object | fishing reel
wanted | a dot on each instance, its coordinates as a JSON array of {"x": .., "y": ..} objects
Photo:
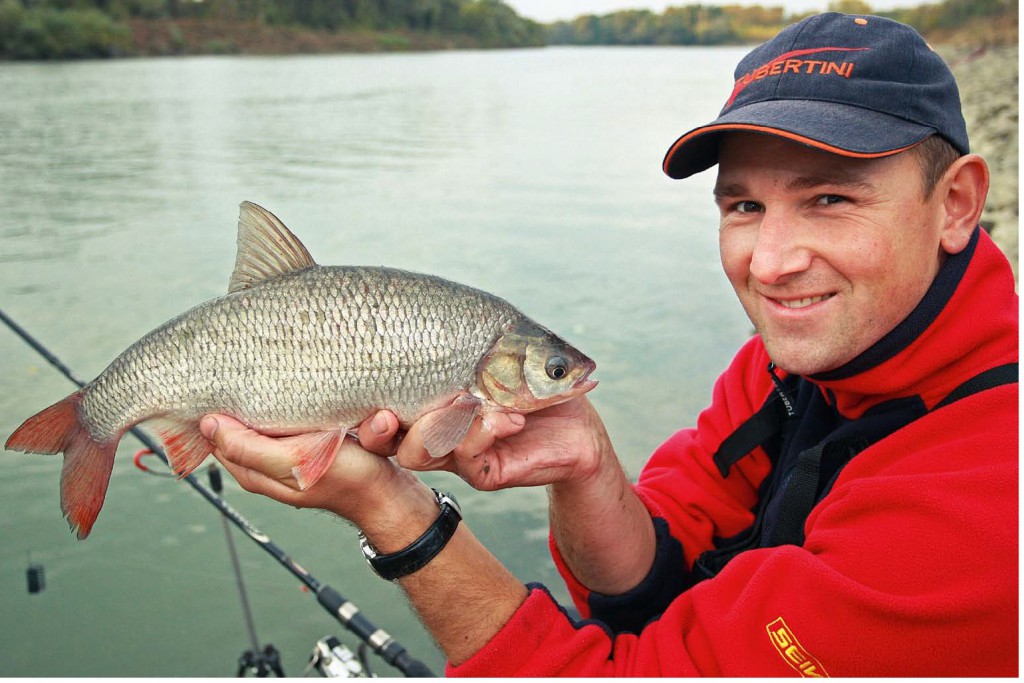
[{"x": 332, "y": 659}]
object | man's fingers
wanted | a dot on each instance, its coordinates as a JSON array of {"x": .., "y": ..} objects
[
  {"x": 379, "y": 433},
  {"x": 486, "y": 430},
  {"x": 234, "y": 440},
  {"x": 254, "y": 481},
  {"x": 502, "y": 425},
  {"x": 249, "y": 450},
  {"x": 413, "y": 455}
]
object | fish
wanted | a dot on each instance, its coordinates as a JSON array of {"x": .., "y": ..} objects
[{"x": 295, "y": 347}]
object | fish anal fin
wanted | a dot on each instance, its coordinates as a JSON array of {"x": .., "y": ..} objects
[
  {"x": 443, "y": 429},
  {"x": 266, "y": 249},
  {"x": 319, "y": 450},
  {"x": 185, "y": 445}
]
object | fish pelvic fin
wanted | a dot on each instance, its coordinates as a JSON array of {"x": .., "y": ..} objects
[
  {"x": 266, "y": 249},
  {"x": 317, "y": 458},
  {"x": 185, "y": 445},
  {"x": 445, "y": 428},
  {"x": 87, "y": 461}
]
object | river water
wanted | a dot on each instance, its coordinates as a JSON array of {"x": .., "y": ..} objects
[{"x": 533, "y": 174}]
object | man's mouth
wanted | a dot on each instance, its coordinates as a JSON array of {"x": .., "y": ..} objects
[{"x": 803, "y": 303}]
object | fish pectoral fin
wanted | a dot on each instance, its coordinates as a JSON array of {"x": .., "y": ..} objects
[
  {"x": 185, "y": 445},
  {"x": 266, "y": 249},
  {"x": 445, "y": 428},
  {"x": 317, "y": 456}
]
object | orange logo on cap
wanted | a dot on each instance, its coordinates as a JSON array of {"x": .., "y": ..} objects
[{"x": 787, "y": 63}]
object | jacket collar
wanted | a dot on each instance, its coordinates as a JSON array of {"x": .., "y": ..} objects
[{"x": 965, "y": 324}]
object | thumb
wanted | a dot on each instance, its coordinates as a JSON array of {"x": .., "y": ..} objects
[
  {"x": 237, "y": 444},
  {"x": 379, "y": 433},
  {"x": 208, "y": 426}
]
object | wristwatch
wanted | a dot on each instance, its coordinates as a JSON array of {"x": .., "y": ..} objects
[{"x": 416, "y": 555}]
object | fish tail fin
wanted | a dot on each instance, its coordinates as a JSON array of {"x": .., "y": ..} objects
[
  {"x": 87, "y": 461},
  {"x": 47, "y": 431}
]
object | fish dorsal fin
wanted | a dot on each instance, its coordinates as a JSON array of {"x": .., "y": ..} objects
[{"x": 266, "y": 249}]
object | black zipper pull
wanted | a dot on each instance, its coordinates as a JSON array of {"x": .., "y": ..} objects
[{"x": 780, "y": 389}]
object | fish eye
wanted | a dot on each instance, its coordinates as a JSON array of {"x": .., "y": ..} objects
[{"x": 557, "y": 367}]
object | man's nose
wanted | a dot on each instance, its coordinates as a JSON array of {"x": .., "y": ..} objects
[{"x": 780, "y": 249}]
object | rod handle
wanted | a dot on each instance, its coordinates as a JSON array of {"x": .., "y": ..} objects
[{"x": 383, "y": 644}]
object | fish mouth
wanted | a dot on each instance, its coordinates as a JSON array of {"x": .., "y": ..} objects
[{"x": 584, "y": 383}]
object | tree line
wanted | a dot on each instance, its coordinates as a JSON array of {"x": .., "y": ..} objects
[
  {"x": 40, "y": 29},
  {"x": 702, "y": 24},
  {"x": 44, "y": 29}
]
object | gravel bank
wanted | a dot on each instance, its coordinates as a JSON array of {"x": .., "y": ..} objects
[{"x": 988, "y": 88}]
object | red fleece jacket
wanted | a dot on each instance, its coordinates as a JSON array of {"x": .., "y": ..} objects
[{"x": 909, "y": 564}]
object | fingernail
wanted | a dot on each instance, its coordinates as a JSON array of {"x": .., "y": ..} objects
[
  {"x": 208, "y": 426},
  {"x": 379, "y": 424},
  {"x": 518, "y": 419}
]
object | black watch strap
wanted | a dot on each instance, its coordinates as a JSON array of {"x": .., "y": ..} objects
[{"x": 420, "y": 552}]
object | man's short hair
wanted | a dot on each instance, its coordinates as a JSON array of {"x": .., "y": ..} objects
[{"x": 935, "y": 155}]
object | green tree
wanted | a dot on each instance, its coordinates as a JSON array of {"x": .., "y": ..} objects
[{"x": 850, "y": 7}]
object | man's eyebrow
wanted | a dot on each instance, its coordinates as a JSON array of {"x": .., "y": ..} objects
[
  {"x": 729, "y": 189},
  {"x": 836, "y": 177},
  {"x": 840, "y": 177}
]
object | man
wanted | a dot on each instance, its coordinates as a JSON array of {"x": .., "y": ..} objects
[{"x": 847, "y": 505}]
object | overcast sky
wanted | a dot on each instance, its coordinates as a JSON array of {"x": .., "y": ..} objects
[{"x": 552, "y": 10}]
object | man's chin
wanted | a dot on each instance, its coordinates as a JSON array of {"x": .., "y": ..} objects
[{"x": 803, "y": 359}]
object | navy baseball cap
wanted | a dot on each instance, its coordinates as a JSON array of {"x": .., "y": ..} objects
[{"x": 859, "y": 86}]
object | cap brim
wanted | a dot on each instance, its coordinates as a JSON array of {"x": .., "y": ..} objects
[{"x": 836, "y": 128}]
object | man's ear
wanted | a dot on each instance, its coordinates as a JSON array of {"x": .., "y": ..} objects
[{"x": 965, "y": 187}]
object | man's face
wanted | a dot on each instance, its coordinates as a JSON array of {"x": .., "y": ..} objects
[{"x": 826, "y": 253}]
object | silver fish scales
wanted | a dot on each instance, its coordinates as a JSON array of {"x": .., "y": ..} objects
[
  {"x": 296, "y": 347},
  {"x": 312, "y": 348}
]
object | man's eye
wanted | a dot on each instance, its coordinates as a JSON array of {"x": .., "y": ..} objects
[
  {"x": 829, "y": 199},
  {"x": 747, "y": 207}
]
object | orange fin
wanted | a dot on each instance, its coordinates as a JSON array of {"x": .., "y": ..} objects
[
  {"x": 317, "y": 458},
  {"x": 48, "y": 430},
  {"x": 87, "y": 462},
  {"x": 445, "y": 428},
  {"x": 185, "y": 445}
]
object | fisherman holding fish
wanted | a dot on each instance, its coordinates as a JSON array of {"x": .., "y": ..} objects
[{"x": 847, "y": 504}]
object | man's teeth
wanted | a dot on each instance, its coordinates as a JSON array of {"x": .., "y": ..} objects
[{"x": 803, "y": 303}]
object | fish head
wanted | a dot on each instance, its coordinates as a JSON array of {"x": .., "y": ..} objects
[{"x": 530, "y": 367}]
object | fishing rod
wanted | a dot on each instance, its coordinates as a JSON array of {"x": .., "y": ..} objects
[
  {"x": 341, "y": 608},
  {"x": 261, "y": 661}
]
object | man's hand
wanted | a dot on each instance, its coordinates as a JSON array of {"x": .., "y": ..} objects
[
  {"x": 355, "y": 483},
  {"x": 393, "y": 508},
  {"x": 562, "y": 443},
  {"x": 604, "y": 532}
]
